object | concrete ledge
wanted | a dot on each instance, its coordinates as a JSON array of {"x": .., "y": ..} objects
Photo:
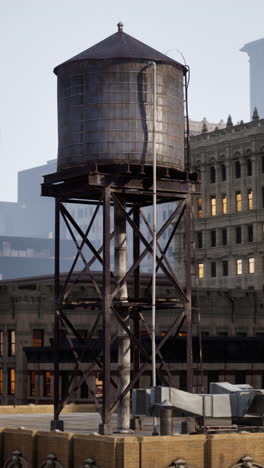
[
  {"x": 57, "y": 443},
  {"x": 46, "y": 409},
  {"x": 17, "y": 439},
  {"x": 224, "y": 450},
  {"x": 71, "y": 450},
  {"x": 100, "y": 448},
  {"x": 160, "y": 452}
]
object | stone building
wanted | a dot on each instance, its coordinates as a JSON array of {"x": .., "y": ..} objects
[
  {"x": 229, "y": 214},
  {"x": 26, "y": 336},
  {"x": 196, "y": 126}
]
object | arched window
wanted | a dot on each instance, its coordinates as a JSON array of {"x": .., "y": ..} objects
[
  {"x": 212, "y": 174},
  {"x": 237, "y": 170}
]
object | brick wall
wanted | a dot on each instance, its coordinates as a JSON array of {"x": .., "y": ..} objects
[{"x": 71, "y": 450}]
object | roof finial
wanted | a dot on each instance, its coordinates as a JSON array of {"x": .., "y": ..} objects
[{"x": 120, "y": 26}]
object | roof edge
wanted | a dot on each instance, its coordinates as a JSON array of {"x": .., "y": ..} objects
[{"x": 175, "y": 64}]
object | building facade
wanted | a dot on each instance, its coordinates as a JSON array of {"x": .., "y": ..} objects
[
  {"x": 232, "y": 341},
  {"x": 229, "y": 214}
]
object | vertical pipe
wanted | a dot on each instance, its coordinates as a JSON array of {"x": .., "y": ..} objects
[
  {"x": 188, "y": 285},
  {"x": 105, "y": 427},
  {"x": 153, "y": 315},
  {"x": 187, "y": 129},
  {"x": 124, "y": 352}
]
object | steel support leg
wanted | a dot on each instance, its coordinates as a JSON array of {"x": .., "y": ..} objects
[
  {"x": 105, "y": 427},
  {"x": 56, "y": 423},
  {"x": 135, "y": 421}
]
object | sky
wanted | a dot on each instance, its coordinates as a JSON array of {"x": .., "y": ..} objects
[{"x": 37, "y": 35}]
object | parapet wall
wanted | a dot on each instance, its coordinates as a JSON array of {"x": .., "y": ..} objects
[
  {"x": 28, "y": 449},
  {"x": 47, "y": 409}
]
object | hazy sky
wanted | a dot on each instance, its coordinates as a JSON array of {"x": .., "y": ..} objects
[{"x": 36, "y": 35}]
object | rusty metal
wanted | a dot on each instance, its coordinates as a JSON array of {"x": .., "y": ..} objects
[
  {"x": 105, "y": 428},
  {"x": 105, "y": 101},
  {"x": 107, "y": 303},
  {"x": 121, "y": 46},
  {"x": 148, "y": 246},
  {"x": 143, "y": 366},
  {"x": 56, "y": 423}
]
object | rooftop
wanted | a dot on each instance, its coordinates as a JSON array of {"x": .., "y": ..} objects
[{"x": 121, "y": 45}]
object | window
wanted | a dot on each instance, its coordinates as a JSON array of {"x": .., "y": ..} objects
[
  {"x": 251, "y": 265},
  {"x": 213, "y": 269},
  {"x": 224, "y": 236},
  {"x": 213, "y": 205},
  {"x": 11, "y": 388},
  {"x": 1, "y": 381},
  {"x": 212, "y": 174},
  {"x": 32, "y": 383},
  {"x": 1, "y": 343},
  {"x": 213, "y": 238},
  {"x": 222, "y": 333},
  {"x": 200, "y": 270},
  {"x": 37, "y": 338},
  {"x": 249, "y": 167},
  {"x": 238, "y": 201},
  {"x": 250, "y": 199},
  {"x": 200, "y": 239},
  {"x": 199, "y": 208},
  {"x": 250, "y": 232},
  {"x": 237, "y": 170},
  {"x": 11, "y": 342},
  {"x": 223, "y": 172},
  {"x": 225, "y": 267},
  {"x": 224, "y": 203},
  {"x": 238, "y": 235},
  {"x": 239, "y": 266},
  {"x": 47, "y": 384},
  {"x": 262, "y": 197}
]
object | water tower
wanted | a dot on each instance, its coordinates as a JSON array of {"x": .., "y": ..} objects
[{"x": 121, "y": 131}]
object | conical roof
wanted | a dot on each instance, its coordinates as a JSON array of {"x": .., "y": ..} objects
[{"x": 122, "y": 46}]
